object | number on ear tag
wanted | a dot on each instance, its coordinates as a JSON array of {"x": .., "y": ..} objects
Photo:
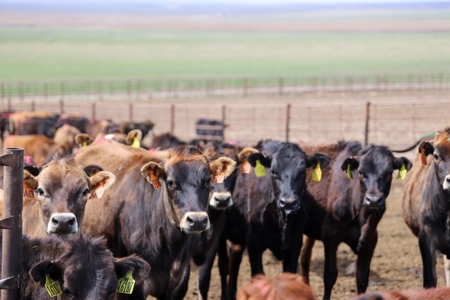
[
  {"x": 136, "y": 143},
  {"x": 126, "y": 284},
  {"x": 317, "y": 173},
  {"x": 259, "y": 169},
  {"x": 349, "y": 172},
  {"x": 402, "y": 172},
  {"x": 52, "y": 287}
]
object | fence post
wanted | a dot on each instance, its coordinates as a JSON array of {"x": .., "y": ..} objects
[
  {"x": 9, "y": 103},
  {"x": 224, "y": 119},
  {"x": 93, "y": 111},
  {"x": 130, "y": 112},
  {"x": 61, "y": 106},
  {"x": 366, "y": 133},
  {"x": 12, "y": 211},
  {"x": 33, "y": 106},
  {"x": 172, "y": 118},
  {"x": 288, "y": 120}
]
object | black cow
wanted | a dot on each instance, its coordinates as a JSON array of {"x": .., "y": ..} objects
[
  {"x": 203, "y": 132},
  {"x": 352, "y": 206},
  {"x": 39, "y": 126},
  {"x": 144, "y": 127},
  {"x": 270, "y": 209},
  {"x": 79, "y": 122},
  {"x": 165, "y": 141}
]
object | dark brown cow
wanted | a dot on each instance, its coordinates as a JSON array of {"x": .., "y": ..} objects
[
  {"x": 426, "y": 201},
  {"x": 269, "y": 211},
  {"x": 55, "y": 200},
  {"x": 165, "y": 141},
  {"x": 219, "y": 201},
  {"x": 429, "y": 294},
  {"x": 355, "y": 201},
  {"x": 81, "y": 267},
  {"x": 156, "y": 208}
]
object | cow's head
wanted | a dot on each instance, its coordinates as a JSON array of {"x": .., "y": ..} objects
[
  {"x": 186, "y": 175},
  {"x": 375, "y": 165},
  {"x": 87, "y": 269},
  {"x": 62, "y": 189},
  {"x": 220, "y": 195},
  {"x": 288, "y": 164},
  {"x": 441, "y": 156}
]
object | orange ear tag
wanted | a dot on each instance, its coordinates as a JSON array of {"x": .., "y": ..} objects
[
  {"x": 423, "y": 157},
  {"x": 28, "y": 192},
  {"x": 245, "y": 167},
  {"x": 218, "y": 178},
  {"x": 154, "y": 180}
]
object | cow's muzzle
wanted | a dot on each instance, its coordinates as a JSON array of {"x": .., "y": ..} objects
[
  {"x": 194, "y": 222},
  {"x": 62, "y": 223},
  {"x": 374, "y": 202},
  {"x": 288, "y": 204},
  {"x": 446, "y": 184},
  {"x": 221, "y": 200}
]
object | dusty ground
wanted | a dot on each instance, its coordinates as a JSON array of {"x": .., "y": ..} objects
[{"x": 396, "y": 263}]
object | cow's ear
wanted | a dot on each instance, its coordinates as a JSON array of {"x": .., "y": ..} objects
[
  {"x": 349, "y": 165},
  {"x": 139, "y": 268},
  {"x": 41, "y": 269},
  {"x": 244, "y": 165},
  {"x": 134, "y": 138},
  {"x": 425, "y": 149},
  {"x": 152, "y": 172},
  {"x": 100, "y": 182},
  {"x": 30, "y": 184},
  {"x": 312, "y": 160},
  {"x": 221, "y": 168},
  {"x": 264, "y": 160},
  {"x": 83, "y": 140},
  {"x": 402, "y": 161}
]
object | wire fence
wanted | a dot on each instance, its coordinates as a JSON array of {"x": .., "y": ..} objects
[{"x": 140, "y": 89}]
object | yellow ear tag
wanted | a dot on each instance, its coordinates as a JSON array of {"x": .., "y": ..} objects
[
  {"x": 349, "y": 172},
  {"x": 402, "y": 172},
  {"x": 136, "y": 143},
  {"x": 52, "y": 287},
  {"x": 84, "y": 144},
  {"x": 259, "y": 169},
  {"x": 126, "y": 284},
  {"x": 317, "y": 173}
]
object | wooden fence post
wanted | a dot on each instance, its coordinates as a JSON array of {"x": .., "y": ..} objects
[
  {"x": 366, "y": 132},
  {"x": 61, "y": 106},
  {"x": 93, "y": 111},
  {"x": 172, "y": 118},
  {"x": 288, "y": 120},
  {"x": 130, "y": 112},
  {"x": 224, "y": 119}
]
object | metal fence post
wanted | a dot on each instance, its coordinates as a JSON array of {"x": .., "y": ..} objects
[
  {"x": 288, "y": 120},
  {"x": 224, "y": 119},
  {"x": 12, "y": 211},
  {"x": 366, "y": 132}
]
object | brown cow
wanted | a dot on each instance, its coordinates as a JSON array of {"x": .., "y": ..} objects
[
  {"x": 55, "y": 200},
  {"x": 41, "y": 148},
  {"x": 429, "y": 294},
  {"x": 349, "y": 212},
  {"x": 81, "y": 268},
  {"x": 285, "y": 286},
  {"x": 425, "y": 202},
  {"x": 156, "y": 208}
]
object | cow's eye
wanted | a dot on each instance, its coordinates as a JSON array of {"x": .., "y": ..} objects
[
  {"x": 208, "y": 182},
  {"x": 86, "y": 192},
  {"x": 361, "y": 174},
  {"x": 275, "y": 175},
  {"x": 67, "y": 292},
  {"x": 436, "y": 157},
  {"x": 40, "y": 192},
  {"x": 170, "y": 183}
]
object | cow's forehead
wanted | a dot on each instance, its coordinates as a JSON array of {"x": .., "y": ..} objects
[{"x": 61, "y": 171}]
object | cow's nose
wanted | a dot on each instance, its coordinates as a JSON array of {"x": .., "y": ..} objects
[
  {"x": 63, "y": 223},
  {"x": 195, "y": 222},
  {"x": 288, "y": 204},
  {"x": 220, "y": 200},
  {"x": 374, "y": 201},
  {"x": 446, "y": 184}
]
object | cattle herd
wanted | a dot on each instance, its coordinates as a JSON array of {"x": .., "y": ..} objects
[{"x": 105, "y": 217}]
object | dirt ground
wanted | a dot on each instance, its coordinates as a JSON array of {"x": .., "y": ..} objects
[{"x": 396, "y": 263}]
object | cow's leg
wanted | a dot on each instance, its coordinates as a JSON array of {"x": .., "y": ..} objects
[
  {"x": 204, "y": 272},
  {"x": 305, "y": 258},
  {"x": 236, "y": 252},
  {"x": 255, "y": 252},
  {"x": 447, "y": 270},
  {"x": 178, "y": 289},
  {"x": 222, "y": 253},
  {"x": 428, "y": 261},
  {"x": 290, "y": 261},
  {"x": 330, "y": 272},
  {"x": 363, "y": 263}
]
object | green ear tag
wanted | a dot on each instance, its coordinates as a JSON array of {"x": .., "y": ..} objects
[
  {"x": 349, "y": 172},
  {"x": 402, "y": 172},
  {"x": 126, "y": 284},
  {"x": 136, "y": 143},
  {"x": 259, "y": 169},
  {"x": 317, "y": 173},
  {"x": 52, "y": 287},
  {"x": 84, "y": 144}
]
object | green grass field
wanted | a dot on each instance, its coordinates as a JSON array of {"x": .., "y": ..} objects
[{"x": 28, "y": 54}]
